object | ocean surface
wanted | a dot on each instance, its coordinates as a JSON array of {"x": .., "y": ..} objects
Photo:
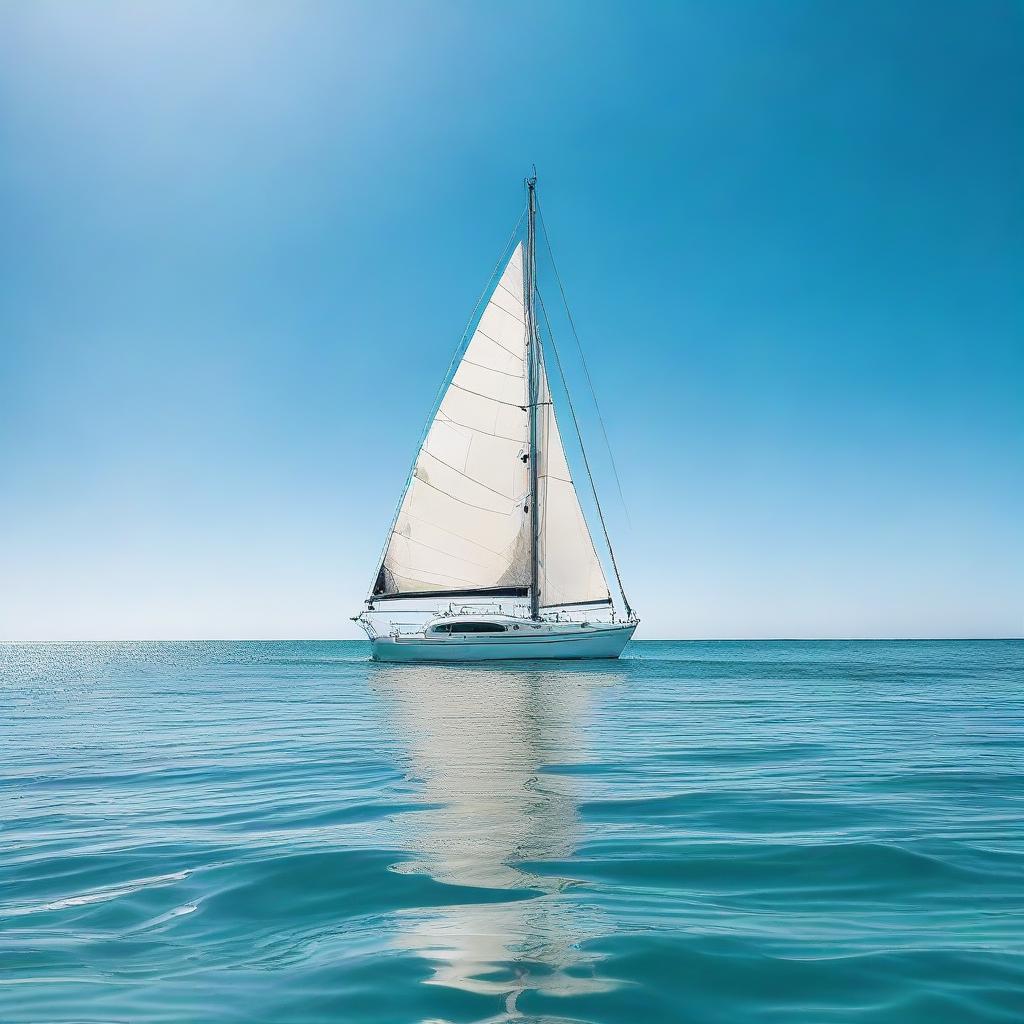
[{"x": 783, "y": 832}]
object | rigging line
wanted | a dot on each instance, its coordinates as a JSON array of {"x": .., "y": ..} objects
[
  {"x": 505, "y": 373},
  {"x": 583, "y": 360},
  {"x": 505, "y": 287},
  {"x": 457, "y": 536},
  {"x": 494, "y": 304},
  {"x": 483, "y": 333},
  {"x": 480, "y": 430},
  {"x": 416, "y": 579},
  {"x": 444, "y": 382},
  {"x": 413, "y": 540},
  {"x": 471, "y": 479},
  {"x": 515, "y": 502},
  {"x": 586, "y": 461},
  {"x": 490, "y": 398},
  {"x": 441, "y": 551}
]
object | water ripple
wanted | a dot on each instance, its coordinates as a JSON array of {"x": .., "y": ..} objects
[{"x": 717, "y": 832}]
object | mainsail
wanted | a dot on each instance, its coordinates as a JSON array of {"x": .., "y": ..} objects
[{"x": 464, "y": 524}]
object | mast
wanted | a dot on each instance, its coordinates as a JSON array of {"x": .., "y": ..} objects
[{"x": 533, "y": 352}]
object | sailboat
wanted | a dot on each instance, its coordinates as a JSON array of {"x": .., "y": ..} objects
[{"x": 489, "y": 556}]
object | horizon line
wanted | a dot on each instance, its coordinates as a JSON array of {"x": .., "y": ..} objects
[{"x": 644, "y": 640}]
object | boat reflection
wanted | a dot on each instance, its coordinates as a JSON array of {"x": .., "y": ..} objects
[{"x": 478, "y": 741}]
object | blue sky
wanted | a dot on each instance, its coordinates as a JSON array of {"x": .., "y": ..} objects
[{"x": 240, "y": 242}]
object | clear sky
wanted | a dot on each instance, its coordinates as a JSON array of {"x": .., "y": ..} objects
[{"x": 239, "y": 242}]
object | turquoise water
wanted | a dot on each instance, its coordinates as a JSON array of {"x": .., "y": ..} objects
[{"x": 701, "y": 832}]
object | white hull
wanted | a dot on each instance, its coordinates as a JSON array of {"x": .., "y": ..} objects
[{"x": 605, "y": 641}]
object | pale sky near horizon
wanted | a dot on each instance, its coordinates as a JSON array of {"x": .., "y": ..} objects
[{"x": 240, "y": 242}]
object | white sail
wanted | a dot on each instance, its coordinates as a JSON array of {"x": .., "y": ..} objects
[
  {"x": 569, "y": 571},
  {"x": 463, "y": 524}
]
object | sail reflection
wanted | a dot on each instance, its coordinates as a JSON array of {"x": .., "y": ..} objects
[{"x": 477, "y": 741}]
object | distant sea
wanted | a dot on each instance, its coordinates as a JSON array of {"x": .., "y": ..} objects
[{"x": 789, "y": 832}]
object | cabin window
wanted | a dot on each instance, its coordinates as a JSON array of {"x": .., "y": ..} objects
[{"x": 468, "y": 627}]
